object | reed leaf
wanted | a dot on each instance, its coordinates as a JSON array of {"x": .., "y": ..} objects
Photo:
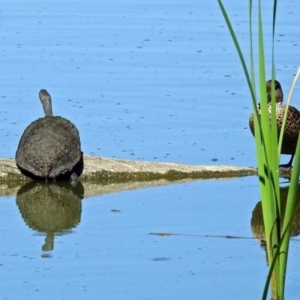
[{"x": 266, "y": 140}]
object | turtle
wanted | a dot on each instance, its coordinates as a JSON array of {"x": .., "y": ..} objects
[
  {"x": 292, "y": 126},
  {"x": 50, "y": 148}
]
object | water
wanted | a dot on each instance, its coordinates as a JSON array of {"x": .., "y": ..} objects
[
  {"x": 110, "y": 252},
  {"x": 144, "y": 80},
  {"x": 166, "y": 242}
]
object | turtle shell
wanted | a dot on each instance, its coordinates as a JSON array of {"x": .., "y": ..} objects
[{"x": 49, "y": 148}]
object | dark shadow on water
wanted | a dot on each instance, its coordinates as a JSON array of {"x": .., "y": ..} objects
[{"x": 50, "y": 208}]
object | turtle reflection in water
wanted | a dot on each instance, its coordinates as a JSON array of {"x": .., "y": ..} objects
[
  {"x": 53, "y": 208},
  {"x": 50, "y": 147}
]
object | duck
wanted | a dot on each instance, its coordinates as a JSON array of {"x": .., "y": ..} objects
[{"x": 292, "y": 126}]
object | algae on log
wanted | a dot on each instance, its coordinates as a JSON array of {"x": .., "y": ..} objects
[
  {"x": 107, "y": 170},
  {"x": 100, "y": 169},
  {"x": 106, "y": 175}
]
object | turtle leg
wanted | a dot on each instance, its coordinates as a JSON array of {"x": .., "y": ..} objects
[{"x": 287, "y": 167}]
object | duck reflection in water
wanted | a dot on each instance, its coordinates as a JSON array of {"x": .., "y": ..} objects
[
  {"x": 52, "y": 209},
  {"x": 257, "y": 222}
]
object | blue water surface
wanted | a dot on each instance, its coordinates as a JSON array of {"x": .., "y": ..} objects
[
  {"x": 153, "y": 80},
  {"x": 110, "y": 254},
  {"x": 143, "y": 80}
]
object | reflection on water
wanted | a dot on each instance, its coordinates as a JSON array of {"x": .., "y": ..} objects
[
  {"x": 53, "y": 208},
  {"x": 257, "y": 224},
  {"x": 258, "y": 230}
]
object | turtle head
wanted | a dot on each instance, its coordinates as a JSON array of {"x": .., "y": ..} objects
[{"x": 46, "y": 102}]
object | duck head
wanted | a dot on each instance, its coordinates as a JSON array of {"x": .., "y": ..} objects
[{"x": 278, "y": 91}]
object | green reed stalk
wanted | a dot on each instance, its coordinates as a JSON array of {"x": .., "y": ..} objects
[{"x": 266, "y": 140}]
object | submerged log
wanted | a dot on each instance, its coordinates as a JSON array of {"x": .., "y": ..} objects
[
  {"x": 102, "y": 169},
  {"x": 103, "y": 175}
]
